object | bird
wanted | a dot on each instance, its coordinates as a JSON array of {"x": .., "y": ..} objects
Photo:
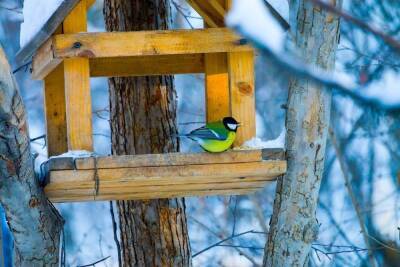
[{"x": 215, "y": 137}]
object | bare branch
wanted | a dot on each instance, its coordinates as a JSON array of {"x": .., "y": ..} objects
[
  {"x": 94, "y": 263},
  {"x": 393, "y": 43},
  {"x": 353, "y": 198}
]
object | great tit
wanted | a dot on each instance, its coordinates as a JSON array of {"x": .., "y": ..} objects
[{"x": 215, "y": 136}]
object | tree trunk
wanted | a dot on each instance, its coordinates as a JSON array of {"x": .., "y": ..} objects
[
  {"x": 143, "y": 120},
  {"x": 293, "y": 225},
  {"x": 34, "y": 223}
]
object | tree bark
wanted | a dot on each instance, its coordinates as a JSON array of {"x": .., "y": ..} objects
[
  {"x": 143, "y": 120},
  {"x": 34, "y": 223},
  {"x": 293, "y": 226}
]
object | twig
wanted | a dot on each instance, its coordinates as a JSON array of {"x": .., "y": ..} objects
[
  {"x": 22, "y": 66},
  {"x": 241, "y": 252},
  {"x": 114, "y": 225},
  {"x": 336, "y": 224},
  {"x": 353, "y": 198},
  {"x": 94, "y": 263},
  {"x": 224, "y": 240},
  {"x": 13, "y": 9},
  {"x": 38, "y": 138},
  {"x": 291, "y": 65},
  {"x": 192, "y": 122},
  {"x": 180, "y": 11}
]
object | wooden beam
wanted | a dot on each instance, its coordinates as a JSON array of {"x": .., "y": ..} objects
[
  {"x": 58, "y": 197},
  {"x": 146, "y": 65},
  {"x": 216, "y": 86},
  {"x": 143, "y": 182},
  {"x": 147, "y": 43},
  {"x": 89, "y": 3},
  {"x": 161, "y": 175},
  {"x": 54, "y": 107},
  {"x": 136, "y": 44},
  {"x": 241, "y": 75},
  {"x": 48, "y": 29},
  {"x": 77, "y": 87},
  {"x": 44, "y": 62},
  {"x": 154, "y": 160},
  {"x": 212, "y": 11}
]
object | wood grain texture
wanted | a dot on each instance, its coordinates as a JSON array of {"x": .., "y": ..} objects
[
  {"x": 261, "y": 168},
  {"x": 44, "y": 62},
  {"x": 157, "y": 175},
  {"x": 54, "y": 107},
  {"x": 60, "y": 198},
  {"x": 77, "y": 87},
  {"x": 216, "y": 86},
  {"x": 146, "y": 65},
  {"x": 242, "y": 92},
  {"x": 148, "y": 46},
  {"x": 147, "y": 43},
  {"x": 211, "y": 11},
  {"x": 155, "y": 160}
]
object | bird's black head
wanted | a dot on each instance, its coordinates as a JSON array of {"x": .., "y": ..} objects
[{"x": 230, "y": 123}]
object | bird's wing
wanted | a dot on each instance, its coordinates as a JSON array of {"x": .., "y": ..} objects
[{"x": 207, "y": 133}]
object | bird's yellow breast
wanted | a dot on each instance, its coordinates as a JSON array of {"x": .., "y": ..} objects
[{"x": 216, "y": 146}]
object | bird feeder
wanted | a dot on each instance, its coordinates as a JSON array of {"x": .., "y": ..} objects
[{"x": 65, "y": 58}]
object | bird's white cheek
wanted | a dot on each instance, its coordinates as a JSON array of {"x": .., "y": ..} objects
[{"x": 232, "y": 126}]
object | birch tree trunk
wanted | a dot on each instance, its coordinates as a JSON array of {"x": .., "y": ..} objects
[
  {"x": 34, "y": 223},
  {"x": 293, "y": 225},
  {"x": 143, "y": 120}
]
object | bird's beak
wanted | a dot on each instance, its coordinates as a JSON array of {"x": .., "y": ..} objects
[{"x": 239, "y": 124}]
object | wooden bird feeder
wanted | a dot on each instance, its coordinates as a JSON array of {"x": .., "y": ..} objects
[{"x": 65, "y": 56}]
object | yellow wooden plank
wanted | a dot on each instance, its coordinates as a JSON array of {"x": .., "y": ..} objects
[
  {"x": 146, "y": 65},
  {"x": 76, "y": 21},
  {"x": 78, "y": 104},
  {"x": 89, "y": 3},
  {"x": 152, "y": 185},
  {"x": 216, "y": 86},
  {"x": 103, "y": 48},
  {"x": 43, "y": 62},
  {"x": 241, "y": 75},
  {"x": 147, "y": 43},
  {"x": 219, "y": 9},
  {"x": 54, "y": 107},
  {"x": 263, "y": 168},
  {"x": 77, "y": 87},
  {"x": 199, "y": 7},
  {"x": 59, "y": 197},
  {"x": 154, "y": 160},
  {"x": 158, "y": 188}
]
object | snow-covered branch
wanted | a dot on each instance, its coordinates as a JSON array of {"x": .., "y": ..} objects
[{"x": 252, "y": 20}]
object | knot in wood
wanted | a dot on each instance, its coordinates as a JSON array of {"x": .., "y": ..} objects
[
  {"x": 245, "y": 88},
  {"x": 77, "y": 45},
  {"x": 242, "y": 41}
]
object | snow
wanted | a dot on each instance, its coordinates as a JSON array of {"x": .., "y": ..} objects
[
  {"x": 257, "y": 142},
  {"x": 385, "y": 89},
  {"x": 36, "y": 13},
  {"x": 75, "y": 154},
  {"x": 253, "y": 18},
  {"x": 253, "y": 21},
  {"x": 282, "y": 7}
]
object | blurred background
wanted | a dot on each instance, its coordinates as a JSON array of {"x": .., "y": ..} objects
[{"x": 368, "y": 141}]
